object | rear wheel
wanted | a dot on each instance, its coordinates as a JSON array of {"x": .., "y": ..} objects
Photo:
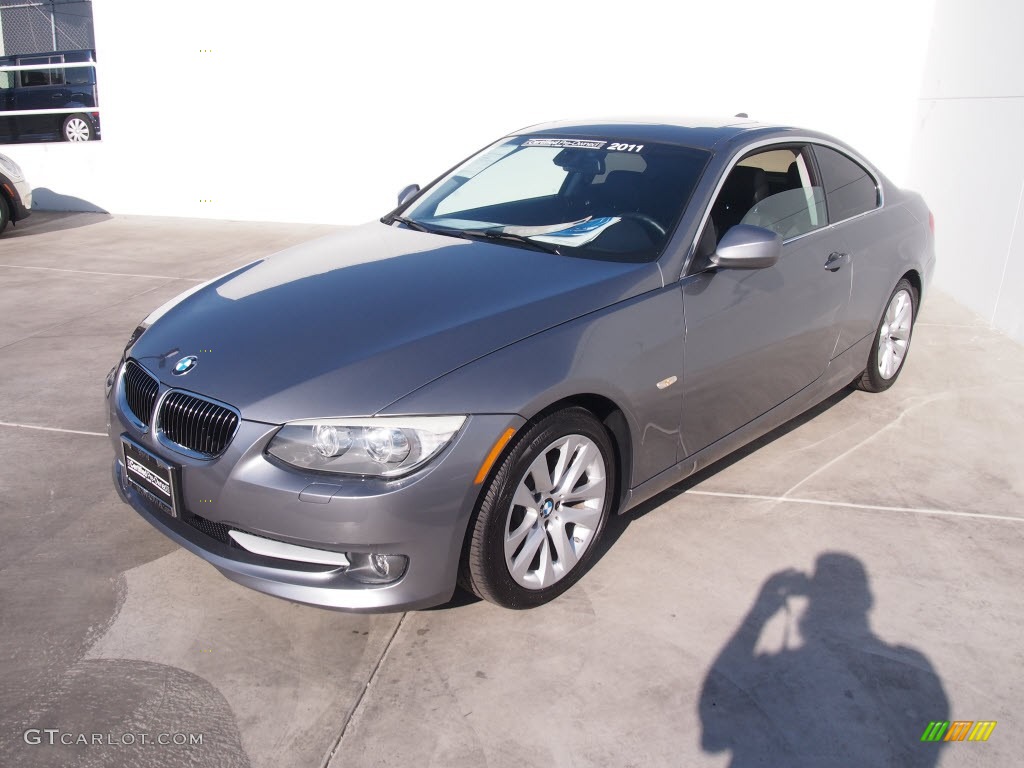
[
  {"x": 892, "y": 340},
  {"x": 5, "y": 213},
  {"x": 77, "y": 128},
  {"x": 542, "y": 513}
]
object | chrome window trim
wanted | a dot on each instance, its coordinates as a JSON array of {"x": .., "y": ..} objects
[{"x": 784, "y": 141}]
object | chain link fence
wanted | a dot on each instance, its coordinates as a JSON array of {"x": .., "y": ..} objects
[{"x": 39, "y": 26}]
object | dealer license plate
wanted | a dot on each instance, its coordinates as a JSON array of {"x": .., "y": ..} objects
[{"x": 157, "y": 479}]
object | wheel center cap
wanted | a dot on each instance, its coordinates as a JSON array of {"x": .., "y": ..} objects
[{"x": 547, "y": 507}]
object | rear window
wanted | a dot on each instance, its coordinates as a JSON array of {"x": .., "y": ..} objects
[{"x": 78, "y": 76}]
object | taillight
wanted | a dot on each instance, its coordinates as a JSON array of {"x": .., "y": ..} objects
[{"x": 931, "y": 221}]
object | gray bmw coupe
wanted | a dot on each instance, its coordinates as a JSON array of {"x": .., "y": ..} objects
[{"x": 570, "y": 321}]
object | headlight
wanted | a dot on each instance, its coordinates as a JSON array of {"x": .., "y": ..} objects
[
  {"x": 11, "y": 168},
  {"x": 386, "y": 446}
]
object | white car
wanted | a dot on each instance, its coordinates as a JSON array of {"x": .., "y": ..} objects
[{"x": 15, "y": 193}]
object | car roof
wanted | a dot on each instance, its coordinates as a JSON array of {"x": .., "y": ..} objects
[{"x": 698, "y": 132}]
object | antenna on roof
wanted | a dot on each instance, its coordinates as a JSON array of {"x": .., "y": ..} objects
[{"x": 742, "y": 114}]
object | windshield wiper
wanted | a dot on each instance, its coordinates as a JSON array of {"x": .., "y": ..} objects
[
  {"x": 432, "y": 230},
  {"x": 493, "y": 234},
  {"x": 470, "y": 234},
  {"x": 409, "y": 223}
]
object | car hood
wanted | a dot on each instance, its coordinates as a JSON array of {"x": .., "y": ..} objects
[{"x": 347, "y": 324}]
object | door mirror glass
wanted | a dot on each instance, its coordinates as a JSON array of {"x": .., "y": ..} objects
[
  {"x": 747, "y": 247},
  {"x": 408, "y": 193}
]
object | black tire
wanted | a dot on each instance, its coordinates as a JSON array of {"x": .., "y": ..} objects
[
  {"x": 5, "y": 212},
  {"x": 873, "y": 379},
  {"x": 484, "y": 569},
  {"x": 77, "y": 127}
]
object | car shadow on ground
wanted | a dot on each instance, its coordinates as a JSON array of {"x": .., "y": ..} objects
[
  {"x": 45, "y": 199},
  {"x": 54, "y": 212},
  {"x": 618, "y": 524},
  {"x": 44, "y": 222},
  {"x": 460, "y": 599}
]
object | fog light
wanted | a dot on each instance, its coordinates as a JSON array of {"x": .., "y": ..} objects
[{"x": 376, "y": 568}]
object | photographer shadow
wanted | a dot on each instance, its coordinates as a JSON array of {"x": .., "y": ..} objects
[{"x": 842, "y": 697}]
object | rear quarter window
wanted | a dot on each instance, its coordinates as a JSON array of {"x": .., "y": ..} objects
[{"x": 849, "y": 189}]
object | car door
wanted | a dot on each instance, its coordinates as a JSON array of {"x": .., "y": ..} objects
[
  {"x": 853, "y": 195},
  {"x": 756, "y": 337},
  {"x": 37, "y": 92}
]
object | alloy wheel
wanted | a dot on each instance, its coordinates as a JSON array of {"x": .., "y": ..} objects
[
  {"x": 556, "y": 509},
  {"x": 894, "y": 334}
]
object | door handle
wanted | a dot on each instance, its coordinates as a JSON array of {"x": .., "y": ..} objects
[{"x": 835, "y": 260}]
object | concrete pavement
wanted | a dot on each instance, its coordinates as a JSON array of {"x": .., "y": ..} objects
[{"x": 895, "y": 518}]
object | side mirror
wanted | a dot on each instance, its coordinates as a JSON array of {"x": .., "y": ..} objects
[
  {"x": 407, "y": 193},
  {"x": 747, "y": 247}
]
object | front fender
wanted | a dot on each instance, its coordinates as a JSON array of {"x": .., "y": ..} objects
[{"x": 620, "y": 353}]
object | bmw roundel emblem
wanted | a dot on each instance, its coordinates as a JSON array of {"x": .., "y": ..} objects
[{"x": 185, "y": 365}]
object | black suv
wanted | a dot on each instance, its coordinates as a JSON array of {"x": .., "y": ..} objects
[{"x": 57, "y": 89}]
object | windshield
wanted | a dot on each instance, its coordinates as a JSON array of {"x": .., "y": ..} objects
[{"x": 597, "y": 198}]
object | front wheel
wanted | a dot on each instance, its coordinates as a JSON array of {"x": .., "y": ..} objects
[
  {"x": 543, "y": 511},
  {"x": 892, "y": 340},
  {"x": 77, "y": 128}
]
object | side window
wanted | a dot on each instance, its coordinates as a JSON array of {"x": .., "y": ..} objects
[
  {"x": 849, "y": 188},
  {"x": 78, "y": 76},
  {"x": 777, "y": 189},
  {"x": 31, "y": 77}
]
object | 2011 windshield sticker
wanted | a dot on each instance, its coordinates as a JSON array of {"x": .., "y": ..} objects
[
  {"x": 569, "y": 143},
  {"x": 616, "y": 147}
]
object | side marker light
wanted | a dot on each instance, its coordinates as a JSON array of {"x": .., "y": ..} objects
[{"x": 493, "y": 456}]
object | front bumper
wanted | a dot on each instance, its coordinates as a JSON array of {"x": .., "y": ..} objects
[{"x": 423, "y": 516}]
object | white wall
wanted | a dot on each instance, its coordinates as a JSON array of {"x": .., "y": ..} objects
[
  {"x": 967, "y": 157},
  {"x": 320, "y": 111}
]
